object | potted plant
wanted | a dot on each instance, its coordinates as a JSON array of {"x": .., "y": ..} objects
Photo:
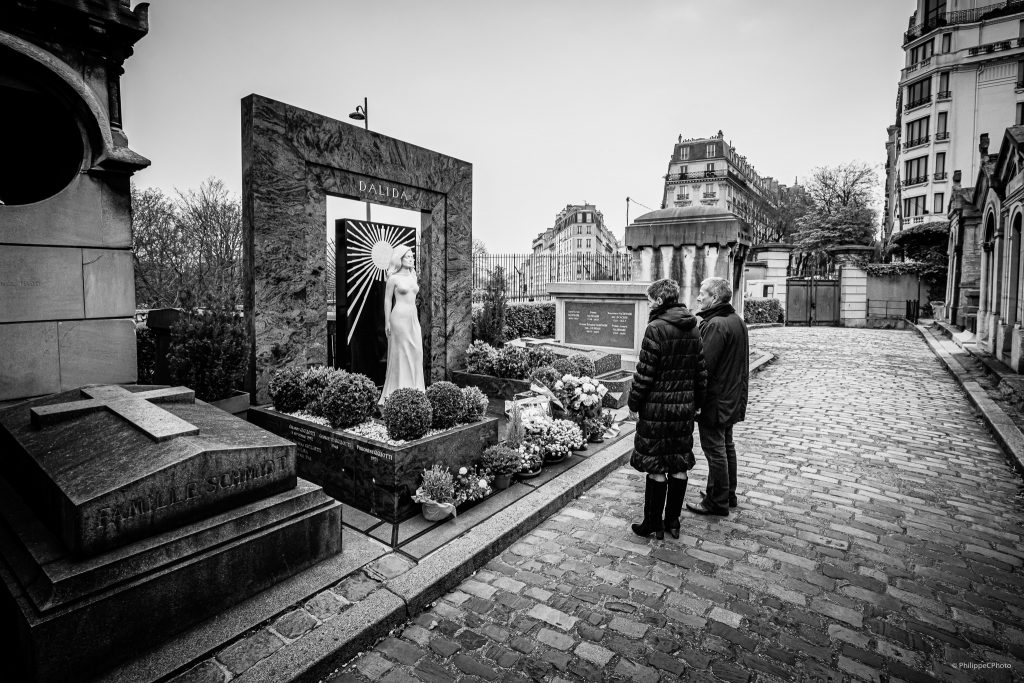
[
  {"x": 562, "y": 437},
  {"x": 472, "y": 484},
  {"x": 436, "y": 494},
  {"x": 503, "y": 372},
  {"x": 503, "y": 462}
]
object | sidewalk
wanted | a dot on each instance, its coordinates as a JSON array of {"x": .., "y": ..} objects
[{"x": 991, "y": 387}]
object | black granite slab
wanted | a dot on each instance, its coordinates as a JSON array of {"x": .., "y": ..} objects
[
  {"x": 74, "y": 618},
  {"x": 375, "y": 477},
  {"x": 99, "y": 482}
]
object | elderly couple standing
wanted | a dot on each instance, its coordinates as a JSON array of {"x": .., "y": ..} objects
[{"x": 685, "y": 373}]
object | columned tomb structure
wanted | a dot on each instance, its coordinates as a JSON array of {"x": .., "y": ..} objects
[{"x": 67, "y": 290}]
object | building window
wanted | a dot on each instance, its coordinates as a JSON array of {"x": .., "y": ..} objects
[
  {"x": 916, "y": 171},
  {"x": 944, "y": 84},
  {"x": 684, "y": 153},
  {"x": 711, "y": 150},
  {"x": 917, "y": 131},
  {"x": 937, "y": 207},
  {"x": 590, "y": 229},
  {"x": 579, "y": 243},
  {"x": 940, "y": 165},
  {"x": 913, "y": 206},
  {"x": 1018, "y": 120},
  {"x": 922, "y": 51},
  {"x": 588, "y": 241},
  {"x": 919, "y": 93},
  {"x": 947, "y": 41},
  {"x": 940, "y": 123}
]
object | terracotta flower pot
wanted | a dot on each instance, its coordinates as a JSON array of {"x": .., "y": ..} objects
[
  {"x": 529, "y": 474},
  {"x": 501, "y": 482}
]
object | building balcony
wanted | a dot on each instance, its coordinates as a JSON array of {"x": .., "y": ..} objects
[
  {"x": 989, "y": 48},
  {"x": 965, "y": 16},
  {"x": 939, "y": 176},
  {"x": 921, "y": 179},
  {"x": 942, "y": 137},
  {"x": 917, "y": 65},
  {"x": 710, "y": 195},
  {"x": 943, "y": 95},
  {"x": 917, "y": 103},
  {"x": 916, "y": 142}
]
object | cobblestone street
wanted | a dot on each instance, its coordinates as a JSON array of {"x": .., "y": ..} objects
[{"x": 878, "y": 538}]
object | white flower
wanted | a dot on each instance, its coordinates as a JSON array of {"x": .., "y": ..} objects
[
  {"x": 463, "y": 470},
  {"x": 558, "y": 384},
  {"x": 483, "y": 483},
  {"x": 588, "y": 387}
]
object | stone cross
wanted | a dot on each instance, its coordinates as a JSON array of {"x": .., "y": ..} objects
[{"x": 137, "y": 408}]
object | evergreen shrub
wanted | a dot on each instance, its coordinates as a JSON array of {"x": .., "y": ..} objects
[
  {"x": 578, "y": 365},
  {"x": 512, "y": 362},
  {"x": 407, "y": 414},
  {"x": 474, "y": 404},
  {"x": 762, "y": 310},
  {"x": 347, "y": 399},
  {"x": 145, "y": 353},
  {"x": 208, "y": 350},
  {"x": 480, "y": 357},
  {"x": 288, "y": 389},
  {"x": 446, "y": 404}
]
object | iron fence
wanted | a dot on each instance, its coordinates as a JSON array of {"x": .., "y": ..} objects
[
  {"x": 894, "y": 308},
  {"x": 526, "y": 276}
]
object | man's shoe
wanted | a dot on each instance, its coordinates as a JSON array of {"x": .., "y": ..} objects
[
  {"x": 733, "y": 502},
  {"x": 702, "y": 509}
]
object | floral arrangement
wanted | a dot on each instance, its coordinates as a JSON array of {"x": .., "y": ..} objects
[
  {"x": 472, "y": 483},
  {"x": 500, "y": 459},
  {"x": 563, "y": 436},
  {"x": 581, "y": 396},
  {"x": 438, "y": 486},
  {"x": 530, "y": 458}
]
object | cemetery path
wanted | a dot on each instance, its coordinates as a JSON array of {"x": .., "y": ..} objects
[{"x": 878, "y": 538}]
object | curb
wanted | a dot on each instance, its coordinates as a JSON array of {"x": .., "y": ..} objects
[
  {"x": 1003, "y": 429},
  {"x": 405, "y": 596}
]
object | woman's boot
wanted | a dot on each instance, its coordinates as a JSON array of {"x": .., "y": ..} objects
[
  {"x": 654, "y": 503},
  {"x": 674, "y": 504}
]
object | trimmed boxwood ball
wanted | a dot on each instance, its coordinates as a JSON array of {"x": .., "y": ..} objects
[
  {"x": 407, "y": 414},
  {"x": 347, "y": 399},
  {"x": 288, "y": 390},
  {"x": 446, "y": 404},
  {"x": 314, "y": 380},
  {"x": 474, "y": 404},
  {"x": 577, "y": 365},
  {"x": 546, "y": 376}
]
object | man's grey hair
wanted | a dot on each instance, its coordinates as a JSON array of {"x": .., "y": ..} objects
[{"x": 719, "y": 288}]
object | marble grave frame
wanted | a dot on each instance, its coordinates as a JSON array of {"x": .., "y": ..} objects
[{"x": 292, "y": 159}]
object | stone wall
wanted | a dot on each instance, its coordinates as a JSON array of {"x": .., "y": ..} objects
[{"x": 67, "y": 290}]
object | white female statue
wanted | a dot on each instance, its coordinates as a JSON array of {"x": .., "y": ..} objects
[{"x": 402, "y": 325}]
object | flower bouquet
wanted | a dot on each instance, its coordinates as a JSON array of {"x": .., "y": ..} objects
[
  {"x": 531, "y": 460},
  {"x": 581, "y": 397},
  {"x": 472, "y": 483},
  {"x": 563, "y": 436}
]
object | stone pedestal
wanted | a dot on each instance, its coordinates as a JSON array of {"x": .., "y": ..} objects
[
  {"x": 774, "y": 259},
  {"x": 853, "y": 283},
  {"x": 690, "y": 244},
  {"x": 128, "y": 514}
]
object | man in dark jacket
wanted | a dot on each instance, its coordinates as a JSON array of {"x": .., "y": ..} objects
[
  {"x": 726, "y": 355},
  {"x": 667, "y": 388}
]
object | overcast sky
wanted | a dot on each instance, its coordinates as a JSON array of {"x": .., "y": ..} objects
[{"x": 553, "y": 102}]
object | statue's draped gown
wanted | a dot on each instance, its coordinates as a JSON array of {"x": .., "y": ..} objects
[{"x": 405, "y": 346}]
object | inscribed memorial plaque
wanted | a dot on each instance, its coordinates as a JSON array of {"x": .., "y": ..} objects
[{"x": 598, "y": 323}]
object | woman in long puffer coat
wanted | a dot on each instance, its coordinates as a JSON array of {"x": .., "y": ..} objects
[{"x": 668, "y": 389}]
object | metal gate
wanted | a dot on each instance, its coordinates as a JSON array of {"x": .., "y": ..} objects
[{"x": 812, "y": 301}]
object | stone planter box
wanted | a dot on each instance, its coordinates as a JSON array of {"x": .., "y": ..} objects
[
  {"x": 370, "y": 475},
  {"x": 619, "y": 383},
  {"x": 494, "y": 387},
  {"x": 236, "y": 404}
]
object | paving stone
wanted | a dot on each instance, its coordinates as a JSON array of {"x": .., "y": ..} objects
[
  {"x": 474, "y": 668},
  {"x": 356, "y": 587},
  {"x": 553, "y": 616},
  {"x": 205, "y": 672},
  {"x": 557, "y": 640},
  {"x": 295, "y": 623},
  {"x": 444, "y": 647},
  {"x": 373, "y": 665},
  {"x": 628, "y": 627},
  {"x": 326, "y": 605},
  {"x": 242, "y": 655},
  {"x": 400, "y": 650}
]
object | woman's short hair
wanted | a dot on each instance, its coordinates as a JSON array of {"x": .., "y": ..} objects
[
  {"x": 719, "y": 288},
  {"x": 396, "y": 257},
  {"x": 667, "y": 290}
]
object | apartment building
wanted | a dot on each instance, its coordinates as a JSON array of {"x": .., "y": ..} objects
[
  {"x": 709, "y": 172},
  {"x": 964, "y": 76},
  {"x": 578, "y": 229}
]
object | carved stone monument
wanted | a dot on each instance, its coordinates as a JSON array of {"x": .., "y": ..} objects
[
  {"x": 291, "y": 160},
  {"x": 67, "y": 291},
  {"x": 128, "y": 514}
]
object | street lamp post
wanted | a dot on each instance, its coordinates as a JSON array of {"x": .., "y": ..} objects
[{"x": 363, "y": 114}]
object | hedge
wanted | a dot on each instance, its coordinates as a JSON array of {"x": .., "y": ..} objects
[
  {"x": 762, "y": 310},
  {"x": 526, "y": 319}
]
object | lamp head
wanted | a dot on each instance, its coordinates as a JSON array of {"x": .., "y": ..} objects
[{"x": 358, "y": 114}]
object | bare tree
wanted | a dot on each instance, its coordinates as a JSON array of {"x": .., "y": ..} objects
[
  {"x": 479, "y": 248},
  {"x": 158, "y": 249},
  {"x": 211, "y": 223}
]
